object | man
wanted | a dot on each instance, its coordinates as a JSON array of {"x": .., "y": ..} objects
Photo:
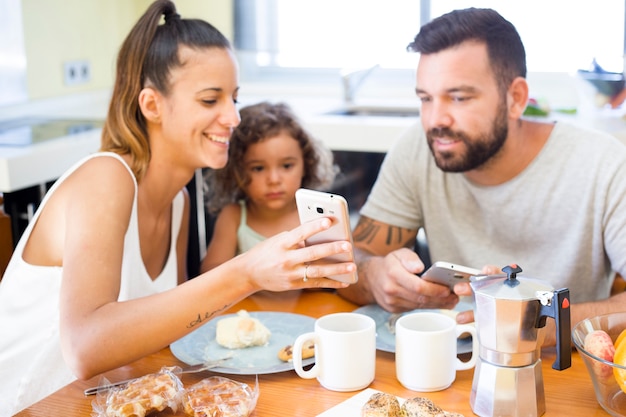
[{"x": 489, "y": 187}]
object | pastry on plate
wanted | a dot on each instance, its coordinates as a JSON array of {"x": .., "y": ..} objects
[
  {"x": 241, "y": 331},
  {"x": 308, "y": 351},
  {"x": 423, "y": 407},
  {"x": 381, "y": 404}
]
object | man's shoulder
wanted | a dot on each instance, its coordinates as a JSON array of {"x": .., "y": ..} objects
[
  {"x": 568, "y": 129},
  {"x": 587, "y": 139}
]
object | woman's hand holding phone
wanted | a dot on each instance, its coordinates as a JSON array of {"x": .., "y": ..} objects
[{"x": 315, "y": 204}]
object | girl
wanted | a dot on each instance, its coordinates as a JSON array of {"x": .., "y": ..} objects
[
  {"x": 270, "y": 157},
  {"x": 92, "y": 284}
]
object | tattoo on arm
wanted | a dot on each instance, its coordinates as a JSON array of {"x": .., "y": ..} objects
[
  {"x": 201, "y": 318},
  {"x": 367, "y": 230}
]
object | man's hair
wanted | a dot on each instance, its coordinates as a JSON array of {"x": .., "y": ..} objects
[{"x": 504, "y": 46}]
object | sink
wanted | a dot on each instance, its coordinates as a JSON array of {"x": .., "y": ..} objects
[{"x": 376, "y": 111}]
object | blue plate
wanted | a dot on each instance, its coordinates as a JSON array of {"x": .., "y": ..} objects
[
  {"x": 386, "y": 341},
  {"x": 200, "y": 345}
]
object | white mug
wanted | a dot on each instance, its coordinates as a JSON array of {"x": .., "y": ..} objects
[
  {"x": 345, "y": 351},
  {"x": 426, "y": 350}
]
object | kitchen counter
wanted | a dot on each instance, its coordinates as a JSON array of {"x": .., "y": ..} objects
[
  {"x": 50, "y": 156},
  {"x": 26, "y": 165},
  {"x": 23, "y": 166}
]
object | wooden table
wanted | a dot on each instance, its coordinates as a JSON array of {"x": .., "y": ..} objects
[{"x": 568, "y": 392}]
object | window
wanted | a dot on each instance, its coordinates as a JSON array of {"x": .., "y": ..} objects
[
  {"x": 12, "y": 54},
  {"x": 299, "y": 35}
]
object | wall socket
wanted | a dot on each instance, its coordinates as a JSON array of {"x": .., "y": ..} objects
[{"x": 76, "y": 72}]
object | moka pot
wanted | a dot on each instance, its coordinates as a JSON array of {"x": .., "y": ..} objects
[{"x": 510, "y": 316}]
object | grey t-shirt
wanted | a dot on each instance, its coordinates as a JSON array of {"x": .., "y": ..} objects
[{"x": 562, "y": 219}]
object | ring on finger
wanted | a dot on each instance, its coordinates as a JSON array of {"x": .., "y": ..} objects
[{"x": 306, "y": 278}]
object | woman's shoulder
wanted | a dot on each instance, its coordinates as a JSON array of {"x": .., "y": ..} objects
[
  {"x": 101, "y": 172},
  {"x": 102, "y": 162}
]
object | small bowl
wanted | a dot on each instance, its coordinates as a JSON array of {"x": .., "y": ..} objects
[
  {"x": 608, "y": 392},
  {"x": 605, "y": 83}
]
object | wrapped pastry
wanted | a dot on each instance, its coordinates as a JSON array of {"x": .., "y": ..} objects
[
  {"x": 149, "y": 394},
  {"x": 219, "y": 397}
]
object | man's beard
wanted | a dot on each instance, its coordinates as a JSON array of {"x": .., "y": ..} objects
[{"x": 479, "y": 149}]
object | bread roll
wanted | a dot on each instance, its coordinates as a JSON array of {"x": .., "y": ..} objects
[
  {"x": 421, "y": 407},
  {"x": 381, "y": 404}
]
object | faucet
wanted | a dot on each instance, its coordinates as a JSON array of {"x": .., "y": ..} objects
[{"x": 352, "y": 80}]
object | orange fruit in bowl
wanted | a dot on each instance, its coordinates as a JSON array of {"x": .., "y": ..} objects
[{"x": 620, "y": 359}]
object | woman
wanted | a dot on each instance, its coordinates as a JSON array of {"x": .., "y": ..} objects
[{"x": 92, "y": 283}]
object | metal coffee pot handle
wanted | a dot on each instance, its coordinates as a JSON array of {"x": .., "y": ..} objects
[{"x": 556, "y": 304}]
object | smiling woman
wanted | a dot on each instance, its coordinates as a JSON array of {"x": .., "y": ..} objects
[{"x": 101, "y": 265}]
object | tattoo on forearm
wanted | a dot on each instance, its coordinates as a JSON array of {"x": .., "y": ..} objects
[
  {"x": 203, "y": 317},
  {"x": 396, "y": 235},
  {"x": 367, "y": 229}
]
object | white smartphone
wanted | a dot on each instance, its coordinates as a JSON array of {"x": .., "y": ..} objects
[
  {"x": 315, "y": 204},
  {"x": 449, "y": 274}
]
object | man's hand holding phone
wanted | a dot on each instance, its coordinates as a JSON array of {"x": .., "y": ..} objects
[{"x": 449, "y": 274}]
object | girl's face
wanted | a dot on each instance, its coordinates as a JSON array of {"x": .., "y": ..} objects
[
  {"x": 275, "y": 167},
  {"x": 199, "y": 114}
]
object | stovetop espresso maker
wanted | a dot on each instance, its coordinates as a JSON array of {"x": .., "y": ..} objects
[{"x": 510, "y": 316}]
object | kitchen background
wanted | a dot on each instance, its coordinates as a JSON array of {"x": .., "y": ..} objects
[
  {"x": 59, "y": 36},
  {"x": 38, "y": 40},
  {"x": 59, "y": 31}
]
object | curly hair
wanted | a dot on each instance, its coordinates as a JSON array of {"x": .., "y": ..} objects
[{"x": 259, "y": 122}]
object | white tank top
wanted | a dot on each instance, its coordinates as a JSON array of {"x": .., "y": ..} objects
[{"x": 31, "y": 364}]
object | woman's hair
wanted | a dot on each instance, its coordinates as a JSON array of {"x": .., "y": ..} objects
[
  {"x": 259, "y": 122},
  {"x": 504, "y": 46},
  {"x": 147, "y": 56}
]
